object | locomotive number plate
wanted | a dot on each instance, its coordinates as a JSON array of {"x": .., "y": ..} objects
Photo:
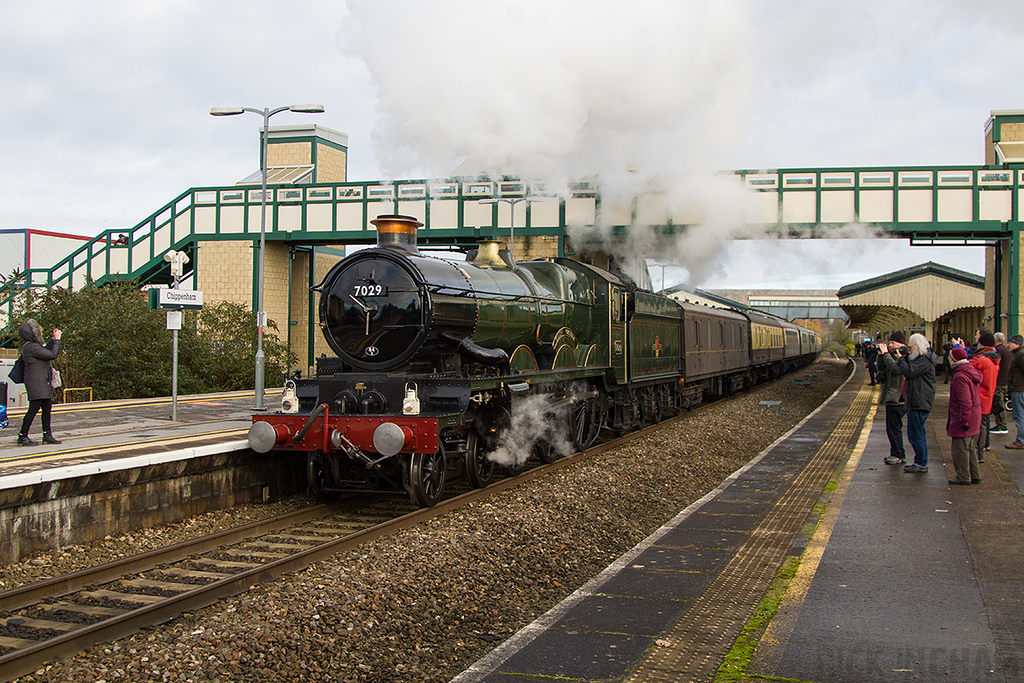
[{"x": 369, "y": 290}]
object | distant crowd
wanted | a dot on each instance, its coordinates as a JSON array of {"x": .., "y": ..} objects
[{"x": 986, "y": 381}]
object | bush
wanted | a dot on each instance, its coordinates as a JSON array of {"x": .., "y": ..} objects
[
  {"x": 114, "y": 343},
  {"x": 837, "y": 349}
]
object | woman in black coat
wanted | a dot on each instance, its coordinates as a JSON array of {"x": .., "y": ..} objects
[{"x": 37, "y": 356}]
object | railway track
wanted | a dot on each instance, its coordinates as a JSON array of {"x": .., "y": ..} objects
[{"x": 61, "y": 616}]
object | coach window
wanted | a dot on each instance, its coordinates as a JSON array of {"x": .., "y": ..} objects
[{"x": 616, "y": 305}]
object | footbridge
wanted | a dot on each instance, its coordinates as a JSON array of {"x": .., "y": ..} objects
[{"x": 220, "y": 226}]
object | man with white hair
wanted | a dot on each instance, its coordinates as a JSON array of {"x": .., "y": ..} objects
[{"x": 919, "y": 371}]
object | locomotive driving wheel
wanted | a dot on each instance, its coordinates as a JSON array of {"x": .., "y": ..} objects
[
  {"x": 427, "y": 474},
  {"x": 585, "y": 423},
  {"x": 479, "y": 468},
  {"x": 319, "y": 477}
]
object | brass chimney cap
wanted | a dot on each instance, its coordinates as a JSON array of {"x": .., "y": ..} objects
[{"x": 396, "y": 223}]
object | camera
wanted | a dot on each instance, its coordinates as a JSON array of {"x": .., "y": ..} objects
[{"x": 903, "y": 351}]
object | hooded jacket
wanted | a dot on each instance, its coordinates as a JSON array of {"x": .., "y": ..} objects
[
  {"x": 964, "y": 419},
  {"x": 919, "y": 370},
  {"x": 986, "y": 359},
  {"x": 37, "y": 357}
]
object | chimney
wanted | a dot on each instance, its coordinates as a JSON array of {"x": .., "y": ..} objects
[{"x": 397, "y": 231}]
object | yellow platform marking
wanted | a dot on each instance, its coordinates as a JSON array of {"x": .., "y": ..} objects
[
  {"x": 100, "y": 450},
  {"x": 775, "y": 637}
]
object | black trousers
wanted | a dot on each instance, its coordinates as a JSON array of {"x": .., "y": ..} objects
[
  {"x": 894, "y": 429},
  {"x": 30, "y": 414}
]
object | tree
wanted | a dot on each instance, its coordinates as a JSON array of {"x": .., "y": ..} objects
[
  {"x": 118, "y": 346},
  {"x": 225, "y": 348}
]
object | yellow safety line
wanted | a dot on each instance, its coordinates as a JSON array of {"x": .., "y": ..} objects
[
  {"x": 129, "y": 403},
  {"x": 112, "y": 447},
  {"x": 779, "y": 630}
]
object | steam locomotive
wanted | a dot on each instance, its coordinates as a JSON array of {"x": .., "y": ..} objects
[{"x": 447, "y": 368}]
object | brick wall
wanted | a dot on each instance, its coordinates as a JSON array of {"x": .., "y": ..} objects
[
  {"x": 330, "y": 165},
  {"x": 225, "y": 271},
  {"x": 289, "y": 153}
]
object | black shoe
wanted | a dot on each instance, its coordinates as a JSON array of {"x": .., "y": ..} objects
[
  {"x": 48, "y": 438},
  {"x": 975, "y": 481},
  {"x": 915, "y": 469},
  {"x": 25, "y": 441},
  {"x": 957, "y": 482}
]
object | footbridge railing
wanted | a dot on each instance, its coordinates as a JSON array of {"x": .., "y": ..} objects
[{"x": 923, "y": 203}]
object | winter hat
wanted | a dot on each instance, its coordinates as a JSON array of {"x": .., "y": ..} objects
[
  {"x": 987, "y": 339},
  {"x": 958, "y": 354},
  {"x": 1017, "y": 339},
  {"x": 898, "y": 337}
]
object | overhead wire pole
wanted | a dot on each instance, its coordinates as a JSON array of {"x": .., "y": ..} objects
[
  {"x": 261, "y": 314},
  {"x": 511, "y": 201}
]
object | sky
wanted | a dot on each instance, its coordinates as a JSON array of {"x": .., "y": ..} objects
[{"x": 105, "y": 115}]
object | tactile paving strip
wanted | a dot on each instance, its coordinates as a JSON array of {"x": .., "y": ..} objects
[{"x": 693, "y": 648}]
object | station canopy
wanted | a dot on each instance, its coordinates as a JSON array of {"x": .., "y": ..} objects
[{"x": 913, "y": 298}]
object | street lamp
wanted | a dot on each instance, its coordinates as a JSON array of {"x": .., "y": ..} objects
[
  {"x": 512, "y": 219},
  {"x": 261, "y": 315},
  {"x": 662, "y": 266}
]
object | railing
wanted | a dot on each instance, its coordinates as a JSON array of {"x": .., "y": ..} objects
[
  {"x": 966, "y": 202},
  {"x": 65, "y": 397}
]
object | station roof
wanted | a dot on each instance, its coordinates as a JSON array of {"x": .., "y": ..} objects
[
  {"x": 925, "y": 292},
  {"x": 912, "y": 273}
]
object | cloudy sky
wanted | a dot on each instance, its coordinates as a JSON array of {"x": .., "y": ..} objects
[{"x": 105, "y": 114}]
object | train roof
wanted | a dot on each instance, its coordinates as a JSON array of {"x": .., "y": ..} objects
[{"x": 713, "y": 310}]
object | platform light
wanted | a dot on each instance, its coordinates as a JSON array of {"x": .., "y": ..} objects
[{"x": 261, "y": 315}]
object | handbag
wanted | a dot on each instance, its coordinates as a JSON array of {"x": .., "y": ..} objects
[
  {"x": 17, "y": 373},
  {"x": 54, "y": 378}
]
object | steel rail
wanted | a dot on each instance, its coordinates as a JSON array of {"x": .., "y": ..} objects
[
  {"x": 21, "y": 662},
  {"x": 29, "y": 594}
]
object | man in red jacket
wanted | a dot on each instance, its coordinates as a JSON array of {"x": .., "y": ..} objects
[{"x": 964, "y": 420}]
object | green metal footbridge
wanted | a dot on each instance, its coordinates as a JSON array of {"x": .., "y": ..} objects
[{"x": 969, "y": 205}]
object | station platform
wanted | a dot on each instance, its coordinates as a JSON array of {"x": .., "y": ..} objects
[
  {"x": 105, "y": 436},
  {"x": 814, "y": 562}
]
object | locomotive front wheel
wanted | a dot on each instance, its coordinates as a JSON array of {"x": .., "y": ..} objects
[
  {"x": 427, "y": 473},
  {"x": 585, "y": 423},
  {"x": 479, "y": 468},
  {"x": 319, "y": 477}
]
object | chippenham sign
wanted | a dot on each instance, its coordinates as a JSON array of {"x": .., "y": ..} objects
[{"x": 164, "y": 297}]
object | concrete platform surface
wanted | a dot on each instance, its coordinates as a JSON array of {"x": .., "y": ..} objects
[
  {"x": 904, "y": 577},
  {"x": 104, "y": 435}
]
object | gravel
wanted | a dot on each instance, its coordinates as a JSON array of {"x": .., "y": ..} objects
[{"x": 426, "y": 603}]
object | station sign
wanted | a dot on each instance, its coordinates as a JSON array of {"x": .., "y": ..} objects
[{"x": 162, "y": 297}]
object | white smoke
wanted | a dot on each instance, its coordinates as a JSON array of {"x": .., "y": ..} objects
[
  {"x": 643, "y": 99},
  {"x": 557, "y": 88},
  {"x": 651, "y": 98},
  {"x": 535, "y": 421}
]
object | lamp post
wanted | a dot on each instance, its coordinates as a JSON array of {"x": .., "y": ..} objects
[
  {"x": 512, "y": 219},
  {"x": 261, "y": 315},
  {"x": 662, "y": 266}
]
